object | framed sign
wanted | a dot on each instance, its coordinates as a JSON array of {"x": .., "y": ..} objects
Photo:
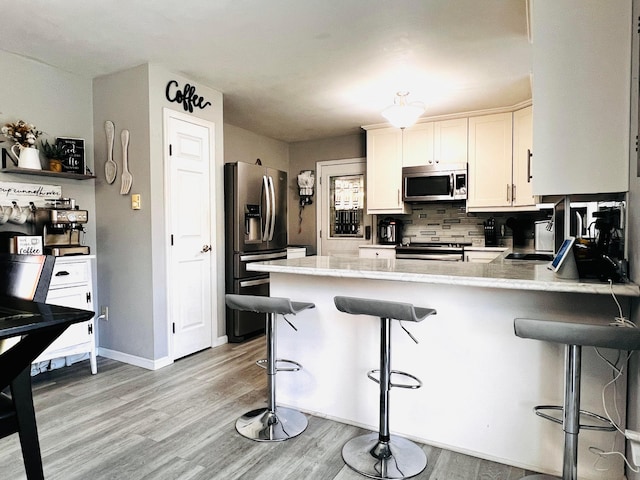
[{"x": 73, "y": 160}]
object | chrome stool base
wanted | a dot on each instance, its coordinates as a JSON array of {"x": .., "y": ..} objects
[
  {"x": 398, "y": 458},
  {"x": 264, "y": 425},
  {"x": 540, "y": 476}
]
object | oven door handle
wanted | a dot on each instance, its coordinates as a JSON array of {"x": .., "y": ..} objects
[{"x": 430, "y": 256}]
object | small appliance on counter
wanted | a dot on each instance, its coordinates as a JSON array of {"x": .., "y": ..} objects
[
  {"x": 602, "y": 257},
  {"x": 490, "y": 233},
  {"x": 61, "y": 225},
  {"x": 389, "y": 231},
  {"x": 544, "y": 236}
]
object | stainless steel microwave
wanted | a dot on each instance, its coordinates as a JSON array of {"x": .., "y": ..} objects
[{"x": 428, "y": 183}]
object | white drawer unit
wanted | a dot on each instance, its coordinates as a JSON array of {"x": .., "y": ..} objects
[
  {"x": 377, "y": 252},
  {"x": 72, "y": 286}
]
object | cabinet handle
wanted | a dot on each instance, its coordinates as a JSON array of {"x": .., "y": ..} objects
[
  {"x": 513, "y": 193},
  {"x": 62, "y": 273},
  {"x": 529, "y": 155},
  {"x": 398, "y": 196},
  {"x": 508, "y": 189}
]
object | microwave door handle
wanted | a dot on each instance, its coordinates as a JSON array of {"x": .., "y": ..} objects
[
  {"x": 265, "y": 187},
  {"x": 273, "y": 208},
  {"x": 452, "y": 178}
]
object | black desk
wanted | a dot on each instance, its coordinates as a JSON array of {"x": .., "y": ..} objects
[{"x": 38, "y": 325}]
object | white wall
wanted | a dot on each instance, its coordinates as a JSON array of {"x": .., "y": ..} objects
[{"x": 633, "y": 400}]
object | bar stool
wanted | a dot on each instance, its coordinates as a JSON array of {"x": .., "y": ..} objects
[
  {"x": 574, "y": 336},
  {"x": 271, "y": 424},
  {"x": 382, "y": 455}
]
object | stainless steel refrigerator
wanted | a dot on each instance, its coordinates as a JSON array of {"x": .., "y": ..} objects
[{"x": 256, "y": 230}]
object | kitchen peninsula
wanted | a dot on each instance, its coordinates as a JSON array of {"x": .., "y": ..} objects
[{"x": 480, "y": 380}]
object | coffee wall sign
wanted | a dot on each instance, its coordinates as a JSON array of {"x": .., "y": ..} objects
[{"x": 187, "y": 96}]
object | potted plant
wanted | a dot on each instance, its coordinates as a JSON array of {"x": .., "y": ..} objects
[{"x": 55, "y": 153}]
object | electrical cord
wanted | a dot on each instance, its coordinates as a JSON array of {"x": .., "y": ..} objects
[{"x": 619, "y": 321}]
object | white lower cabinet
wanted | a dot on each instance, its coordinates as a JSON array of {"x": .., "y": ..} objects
[
  {"x": 481, "y": 256},
  {"x": 71, "y": 286},
  {"x": 380, "y": 252}
]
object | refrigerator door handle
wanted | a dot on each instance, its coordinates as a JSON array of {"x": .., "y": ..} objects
[
  {"x": 253, "y": 283},
  {"x": 256, "y": 257},
  {"x": 273, "y": 208},
  {"x": 265, "y": 186}
]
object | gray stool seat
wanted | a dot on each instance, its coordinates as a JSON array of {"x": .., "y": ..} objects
[
  {"x": 273, "y": 423},
  {"x": 383, "y": 309},
  {"x": 574, "y": 336},
  {"x": 251, "y": 303},
  {"x": 382, "y": 455},
  {"x": 584, "y": 334}
]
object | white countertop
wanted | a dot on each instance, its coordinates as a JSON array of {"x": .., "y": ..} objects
[{"x": 514, "y": 275}]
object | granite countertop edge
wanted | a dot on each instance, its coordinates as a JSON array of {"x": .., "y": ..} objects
[{"x": 533, "y": 276}]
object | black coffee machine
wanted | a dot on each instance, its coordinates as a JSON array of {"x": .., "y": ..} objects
[
  {"x": 603, "y": 256},
  {"x": 390, "y": 231}
]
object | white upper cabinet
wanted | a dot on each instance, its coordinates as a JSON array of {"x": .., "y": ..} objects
[
  {"x": 522, "y": 161},
  {"x": 418, "y": 145},
  {"x": 435, "y": 143},
  {"x": 490, "y": 161},
  {"x": 450, "y": 141},
  {"x": 581, "y": 94},
  {"x": 384, "y": 172}
]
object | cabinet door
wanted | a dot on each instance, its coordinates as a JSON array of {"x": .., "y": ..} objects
[
  {"x": 581, "y": 56},
  {"x": 377, "y": 253},
  {"x": 77, "y": 297},
  {"x": 450, "y": 141},
  {"x": 417, "y": 145},
  {"x": 522, "y": 145},
  {"x": 481, "y": 257},
  {"x": 490, "y": 152},
  {"x": 384, "y": 171}
]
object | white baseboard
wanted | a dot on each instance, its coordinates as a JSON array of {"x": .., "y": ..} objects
[
  {"x": 134, "y": 360},
  {"x": 145, "y": 362}
]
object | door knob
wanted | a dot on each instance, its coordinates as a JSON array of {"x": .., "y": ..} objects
[{"x": 205, "y": 248}]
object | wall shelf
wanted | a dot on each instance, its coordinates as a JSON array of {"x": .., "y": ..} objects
[{"x": 7, "y": 167}]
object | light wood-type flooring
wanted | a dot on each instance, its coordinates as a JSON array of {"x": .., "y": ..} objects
[{"x": 178, "y": 423}]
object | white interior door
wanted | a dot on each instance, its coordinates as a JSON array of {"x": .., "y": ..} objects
[
  {"x": 343, "y": 224},
  {"x": 190, "y": 281}
]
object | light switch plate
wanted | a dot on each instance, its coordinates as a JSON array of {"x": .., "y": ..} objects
[{"x": 135, "y": 201}]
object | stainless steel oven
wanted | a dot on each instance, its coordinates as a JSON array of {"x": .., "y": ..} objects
[{"x": 449, "y": 252}]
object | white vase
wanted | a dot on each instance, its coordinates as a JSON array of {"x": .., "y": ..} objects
[{"x": 27, "y": 157}]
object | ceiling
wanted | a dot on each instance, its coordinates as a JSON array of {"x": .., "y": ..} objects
[{"x": 295, "y": 70}]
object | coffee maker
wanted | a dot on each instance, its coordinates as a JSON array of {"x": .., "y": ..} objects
[{"x": 61, "y": 225}]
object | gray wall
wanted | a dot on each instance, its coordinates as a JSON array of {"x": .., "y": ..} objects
[
  {"x": 132, "y": 243},
  {"x": 303, "y": 156}
]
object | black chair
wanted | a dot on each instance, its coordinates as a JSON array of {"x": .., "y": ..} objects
[{"x": 27, "y": 277}]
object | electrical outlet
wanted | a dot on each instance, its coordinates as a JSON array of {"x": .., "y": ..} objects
[
  {"x": 104, "y": 313},
  {"x": 634, "y": 441},
  {"x": 136, "y": 202}
]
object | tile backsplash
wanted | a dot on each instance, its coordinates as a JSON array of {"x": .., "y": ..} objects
[{"x": 450, "y": 222}]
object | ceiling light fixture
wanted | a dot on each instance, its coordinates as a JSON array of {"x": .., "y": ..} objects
[{"x": 402, "y": 114}]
